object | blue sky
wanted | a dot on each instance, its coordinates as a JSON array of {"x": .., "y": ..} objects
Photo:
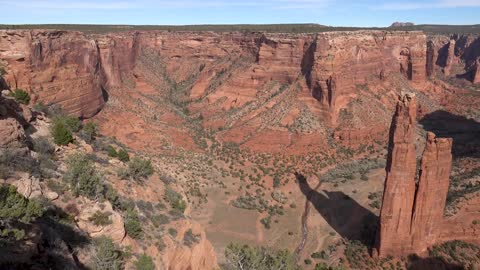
[{"x": 180, "y": 12}]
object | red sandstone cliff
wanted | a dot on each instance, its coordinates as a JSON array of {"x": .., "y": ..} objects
[
  {"x": 55, "y": 66},
  {"x": 431, "y": 193},
  {"x": 476, "y": 70},
  {"x": 398, "y": 196},
  {"x": 412, "y": 217},
  {"x": 450, "y": 57}
]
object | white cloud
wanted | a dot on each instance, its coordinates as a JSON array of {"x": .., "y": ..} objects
[{"x": 428, "y": 5}]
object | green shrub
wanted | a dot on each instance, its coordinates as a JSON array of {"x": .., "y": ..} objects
[
  {"x": 14, "y": 206},
  {"x": 189, "y": 238},
  {"x": 101, "y": 218},
  {"x": 73, "y": 123},
  {"x": 173, "y": 232},
  {"x": 111, "y": 152},
  {"x": 260, "y": 258},
  {"x": 2, "y": 71},
  {"x": 144, "y": 262},
  {"x": 137, "y": 169},
  {"x": 132, "y": 224},
  {"x": 61, "y": 134},
  {"x": 82, "y": 177},
  {"x": 123, "y": 156},
  {"x": 42, "y": 145},
  {"x": 89, "y": 132},
  {"x": 21, "y": 96},
  {"x": 175, "y": 199},
  {"x": 107, "y": 255}
]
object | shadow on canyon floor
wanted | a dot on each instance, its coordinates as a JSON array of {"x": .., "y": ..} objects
[
  {"x": 464, "y": 132},
  {"x": 431, "y": 263},
  {"x": 348, "y": 218}
]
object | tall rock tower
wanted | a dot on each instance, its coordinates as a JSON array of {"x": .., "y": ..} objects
[
  {"x": 399, "y": 192},
  {"x": 411, "y": 214}
]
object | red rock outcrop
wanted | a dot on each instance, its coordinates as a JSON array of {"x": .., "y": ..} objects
[
  {"x": 450, "y": 57},
  {"x": 476, "y": 74},
  {"x": 55, "y": 67},
  {"x": 412, "y": 217},
  {"x": 345, "y": 59},
  {"x": 431, "y": 194},
  {"x": 396, "y": 213},
  {"x": 432, "y": 56}
]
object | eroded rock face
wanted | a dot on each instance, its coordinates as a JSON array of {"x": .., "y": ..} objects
[
  {"x": 114, "y": 230},
  {"x": 397, "y": 206},
  {"x": 476, "y": 74},
  {"x": 179, "y": 256},
  {"x": 55, "y": 67},
  {"x": 450, "y": 57},
  {"x": 431, "y": 194},
  {"x": 412, "y": 217},
  {"x": 345, "y": 59}
]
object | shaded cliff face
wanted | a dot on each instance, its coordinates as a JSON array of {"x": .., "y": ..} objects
[
  {"x": 55, "y": 67},
  {"x": 412, "y": 216}
]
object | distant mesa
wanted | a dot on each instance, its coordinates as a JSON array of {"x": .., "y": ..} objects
[{"x": 402, "y": 24}]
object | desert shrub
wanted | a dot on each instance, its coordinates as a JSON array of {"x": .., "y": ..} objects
[
  {"x": 133, "y": 226},
  {"x": 101, "y": 218},
  {"x": 267, "y": 222},
  {"x": 14, "y": 206},
  {"x": 160, "y": 219},
  {"x": 40, "y": 107},
  {"x": 144, "y": 262},
  {"x": 111, "y": 151},
  {"x": 82, "y": 176},
  {"x": 175, "y": 199},
  {"x": 189, "y": 238},
  {"x": 173, "y": 232},
  {"x": 260, "y": 258},
  {"x": 61, "y": 134},
  {"x": 89, "y": 132},
  {"x": 2, "y": 71},
  {"x": 122, "y": 155},
  {"x": 16, "y": 160},
  {"x": 56, "y": 186},
  {"x": 139, "y": 168},
  {"x": 73, "y": 123},
  {"x": 21, "y": 96},
  {"x": 106, "y": 255},
  {"x": 43, "y": 146}
]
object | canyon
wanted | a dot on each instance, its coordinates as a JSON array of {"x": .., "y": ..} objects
[{"x": 241, "y": 120}]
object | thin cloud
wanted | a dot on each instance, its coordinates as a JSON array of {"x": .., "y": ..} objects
[{"x": 430, "y": 5}]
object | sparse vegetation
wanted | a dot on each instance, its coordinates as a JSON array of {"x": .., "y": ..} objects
[
  {"x": 82, "y": 177},
  {"x": 21, "y": 96},
  {"x": 106, "y": 255},
  {"x": 133, "y": 226},
  {"x": 100, "y": 218},
  {"x": 61, "y": 134},
  {"x": 144, "y": 262},
  {"x": 137, "y": 169},
  {"x": 261, "y": 258}
]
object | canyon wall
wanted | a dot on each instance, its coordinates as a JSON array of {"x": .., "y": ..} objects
[
  {"x": 411, "y": 217},
  {"x": 71, "y": 68},
  {"x": 55, "y": 67},
  {"x": 344, "y": 59}
]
